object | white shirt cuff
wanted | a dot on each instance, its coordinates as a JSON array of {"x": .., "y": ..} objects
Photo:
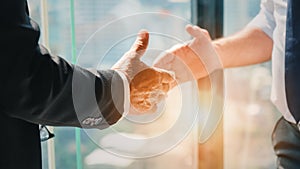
[{"x": 126, "y": 93}]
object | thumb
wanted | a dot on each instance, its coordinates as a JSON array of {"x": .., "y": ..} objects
[
  {"x": 200, "y": 35},
  {"x": 141, "y": 43}
]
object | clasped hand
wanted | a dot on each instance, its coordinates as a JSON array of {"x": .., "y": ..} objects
[{"x": 148, "y": 85}]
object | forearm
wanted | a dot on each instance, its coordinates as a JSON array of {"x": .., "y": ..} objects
[
  {"x": 250, "y": 46},
  {"x": 42, "y": 88},
  {"x": 46, "y": 89}
]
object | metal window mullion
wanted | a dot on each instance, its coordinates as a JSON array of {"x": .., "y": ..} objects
[
  {"x": 45, "y": 41},
  {"x": 74, "y": 57}
]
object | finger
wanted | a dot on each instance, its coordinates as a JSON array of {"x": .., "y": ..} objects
[
  {"x": 167, "y": 79},
  {"x": 166, "y": 74},
  {"x": 140, "y": 44},
  {"x": 206, "y": 33},
  {"x": 195, "y": 31},
  {"x": 164, "y": 61},
  {"x": 152, "y": 110}
]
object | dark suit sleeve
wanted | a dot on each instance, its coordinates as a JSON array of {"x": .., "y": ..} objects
[{"x": 42, "y": 88}]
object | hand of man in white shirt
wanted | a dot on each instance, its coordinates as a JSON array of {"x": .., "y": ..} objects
[{"x": 192, "y": 60}]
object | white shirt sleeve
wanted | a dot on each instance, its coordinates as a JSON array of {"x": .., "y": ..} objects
[
  {"x": 265, "y": 18},
  {"x": 126, "y": 93}
]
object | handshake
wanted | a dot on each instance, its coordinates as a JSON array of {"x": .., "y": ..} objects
[{"x": 182, "y": 63}]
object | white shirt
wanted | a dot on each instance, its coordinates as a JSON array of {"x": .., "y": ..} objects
[{"x": 272, "y": 20}]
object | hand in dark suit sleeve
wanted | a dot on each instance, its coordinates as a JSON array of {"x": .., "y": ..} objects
[
  {"x": 148, "y": 85},
  {"x": 39, "y": 87},
  {"x": 43, "y": 88}
]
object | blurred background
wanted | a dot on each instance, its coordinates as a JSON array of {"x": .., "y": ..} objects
[{"x": 249, "y": 116}]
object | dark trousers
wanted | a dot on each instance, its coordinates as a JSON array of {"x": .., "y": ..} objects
[{"x": 286, "y": 143}]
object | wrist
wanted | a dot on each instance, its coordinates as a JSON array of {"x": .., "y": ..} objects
[
  {"x": 218, "y": 46},
  {"x": 125, "y": 81}
]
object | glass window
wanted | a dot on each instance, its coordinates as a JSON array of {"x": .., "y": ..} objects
[
  {"x": 249, "y": 115},
  {"x": 106, "y": 29},
  {"x": 104, "y": 32}
]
